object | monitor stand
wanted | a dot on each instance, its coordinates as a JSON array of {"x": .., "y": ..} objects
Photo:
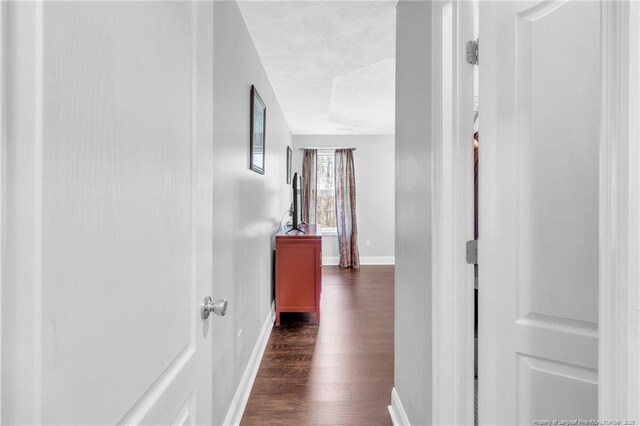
[{"x": 296, "y": 229}]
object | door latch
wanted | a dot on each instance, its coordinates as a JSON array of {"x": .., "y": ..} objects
[
  {"x": 473, "y": 52},
  {"x": 472, "y": 252}
]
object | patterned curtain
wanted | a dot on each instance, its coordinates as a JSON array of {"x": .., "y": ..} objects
[
  {"x": 309, "y": 166},
  {"x": 346, "y": 209}
]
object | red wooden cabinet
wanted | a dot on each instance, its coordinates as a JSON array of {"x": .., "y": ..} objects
[{"x": 299, "y": 271}]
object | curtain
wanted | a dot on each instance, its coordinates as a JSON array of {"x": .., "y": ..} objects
[
  {"x": 346, "y": 209},
  {"x": 309, "y": 193}
]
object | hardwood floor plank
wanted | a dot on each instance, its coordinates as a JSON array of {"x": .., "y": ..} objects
[{"x": 338, "y": 373}]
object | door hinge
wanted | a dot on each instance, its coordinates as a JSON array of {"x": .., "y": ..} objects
[
  {"x": 472, "y": 252},
  {"x": 473, "y": 51}
]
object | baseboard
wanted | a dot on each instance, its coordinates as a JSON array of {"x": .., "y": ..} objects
[
  {"x": 377, "y": 260},
  {"x": 396, "y": 410},
  {"x": 364, "y": 260},
  {"x": 241, "y": 397}
]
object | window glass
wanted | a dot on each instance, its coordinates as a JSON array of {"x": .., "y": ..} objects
[{"x": 326, "y": 202}]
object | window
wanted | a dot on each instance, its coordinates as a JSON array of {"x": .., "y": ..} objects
[{"x": 326, "y": 193}]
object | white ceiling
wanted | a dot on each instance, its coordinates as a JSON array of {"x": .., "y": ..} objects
[{"x": 331, "y": 63}]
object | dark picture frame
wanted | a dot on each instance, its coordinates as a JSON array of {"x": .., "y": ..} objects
[
  {"x": 258, "y": 132},
  {"x": 289, "y": 159}
]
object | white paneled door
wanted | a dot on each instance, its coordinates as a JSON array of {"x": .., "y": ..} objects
[
  {"x": 538, "y": 245},
  {"x": 106, "y": 196}
]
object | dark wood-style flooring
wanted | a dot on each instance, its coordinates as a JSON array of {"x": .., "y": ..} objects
[{"x": 338, "y": 373}]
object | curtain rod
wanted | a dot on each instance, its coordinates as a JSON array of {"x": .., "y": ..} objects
[{"x": 322, "y": 148}]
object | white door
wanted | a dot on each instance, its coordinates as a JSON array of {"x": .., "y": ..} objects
[
  {"x": 538, "y": 243},
  {"x": 107, "y": 212}
]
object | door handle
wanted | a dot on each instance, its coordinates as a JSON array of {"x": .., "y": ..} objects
[{"x": 219, "y": 307}]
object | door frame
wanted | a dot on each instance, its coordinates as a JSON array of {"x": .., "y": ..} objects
[
  {"x": 2, "y": 171},
  {"x": 619, "y": 304},
  {"x": 452, "y": 347},
  {"x": 619, "y": 218}
]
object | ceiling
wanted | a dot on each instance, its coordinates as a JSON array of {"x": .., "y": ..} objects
[{"x": 331, "y": 63}]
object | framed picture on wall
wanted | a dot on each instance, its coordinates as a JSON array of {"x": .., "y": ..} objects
[
  {"x": 289, "y": 155},
  {"x": 258, "y": 130}
]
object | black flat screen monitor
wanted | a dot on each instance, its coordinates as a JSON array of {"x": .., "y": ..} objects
[{"x": 295, "y": 221}]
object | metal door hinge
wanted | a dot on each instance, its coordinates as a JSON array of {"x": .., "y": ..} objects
[
  {"x": 472, "y": 252},
  {"x": 473, "y": 51}
]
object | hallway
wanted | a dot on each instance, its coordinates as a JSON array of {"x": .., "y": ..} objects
[{"x": 340, "y": 373}]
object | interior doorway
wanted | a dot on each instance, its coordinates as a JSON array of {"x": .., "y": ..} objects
[{"x": 332, "y": 66}]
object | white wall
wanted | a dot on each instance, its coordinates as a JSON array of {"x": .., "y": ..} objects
[
  {"x": 247, "y": 206},
  {"x": 375, "y": 192},
  {"x": 413, "y": 211}
]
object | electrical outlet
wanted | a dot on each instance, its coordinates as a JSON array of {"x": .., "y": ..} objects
[{"x": 367, "y": 242}]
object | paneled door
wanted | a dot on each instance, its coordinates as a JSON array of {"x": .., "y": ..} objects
[
  {"x": 538, "y": 236},
  {"x": 106, "y": 232}
]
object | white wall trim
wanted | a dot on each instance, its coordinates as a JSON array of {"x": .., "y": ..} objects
[
  {"x": 22, "y": 169},
  {"x": 396, "y": 410},
  {"x": 452, "y": 345},
  {"x": 366, "y": 260},
  {"x": 378, "y": 260},
  {"x": 3, "y": 167},
  {"x": 241, "y": 397},
  {"x": 619, "y": 344}
]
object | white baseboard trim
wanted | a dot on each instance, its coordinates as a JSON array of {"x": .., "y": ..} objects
[
  {"x": 241, "y": 397},
  {"x": 364, "y": 260},
  {"x": 396, "y": 410},
  {"x": 378, "y": 260}
]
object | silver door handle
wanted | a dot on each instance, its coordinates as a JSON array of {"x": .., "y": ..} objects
[{"x": 219, "y": 307}]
